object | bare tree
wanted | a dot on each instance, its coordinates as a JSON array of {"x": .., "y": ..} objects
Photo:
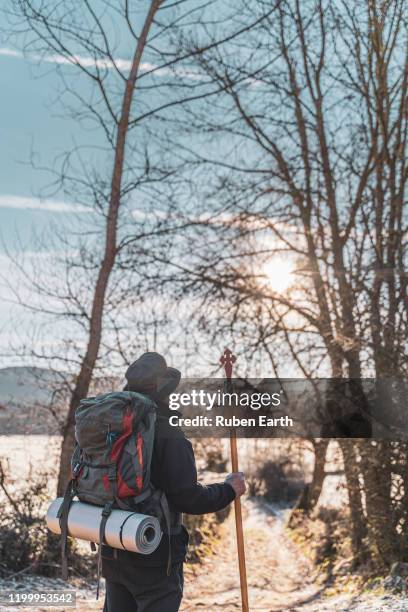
[
  {"x": 128, "y": 103},
  {"x": 313, "y": 108},
  {"x": 51, "y": 27}
]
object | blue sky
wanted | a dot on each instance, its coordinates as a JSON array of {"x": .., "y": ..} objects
[
  {"x": 29, "y": 122},
  {"x": 23, "y": 124}
]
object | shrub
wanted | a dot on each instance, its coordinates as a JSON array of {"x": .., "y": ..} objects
[
  {"x": 23, "y": 532},
  {"x": 278, "y": 481},
  {"x": 210, "y": 455},
  {"x": 26, "y": 545},
  {"x": 204, "y": 532}
]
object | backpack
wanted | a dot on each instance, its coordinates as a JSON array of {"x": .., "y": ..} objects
[{"x": 110, "y": 465}]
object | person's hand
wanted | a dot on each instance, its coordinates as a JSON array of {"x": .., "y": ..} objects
[{"x": 237, "y": 482}]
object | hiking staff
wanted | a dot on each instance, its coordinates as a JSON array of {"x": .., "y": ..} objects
[{"x": 227, "y": 360}]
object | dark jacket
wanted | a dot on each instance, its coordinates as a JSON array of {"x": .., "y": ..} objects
[{"x": 173, "y": 470}]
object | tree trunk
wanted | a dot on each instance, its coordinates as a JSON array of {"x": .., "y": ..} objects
[
  {"x": 377, "y": 473},
  {"x": 110, "y": 251},
  {"x": 310, "y": 495},
  {"x": 357, "y": 516}
]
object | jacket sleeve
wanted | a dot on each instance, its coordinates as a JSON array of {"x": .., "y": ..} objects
[{"x": 179, "y": 481}]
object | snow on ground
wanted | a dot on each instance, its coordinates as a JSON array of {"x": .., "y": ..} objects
[{"x": 280, "y": 577}]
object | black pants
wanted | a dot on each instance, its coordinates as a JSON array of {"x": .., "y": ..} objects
[{"x": 142, "y": 589}]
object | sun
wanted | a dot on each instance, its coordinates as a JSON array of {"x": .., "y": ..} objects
[{"x": 278, "y": 273}]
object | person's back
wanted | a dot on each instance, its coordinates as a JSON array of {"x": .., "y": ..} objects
[{"x": 140, "y": 583}]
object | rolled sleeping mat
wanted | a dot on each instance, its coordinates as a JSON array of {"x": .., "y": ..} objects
[{"x": 124, "y": 530}]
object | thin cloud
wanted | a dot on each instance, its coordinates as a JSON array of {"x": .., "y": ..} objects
[
  {"x": 101, "y": 63},
  {"x": 31, "y": 203},
  {"x": 86, "y": 62},
  {"x": 10, "y": 52}
]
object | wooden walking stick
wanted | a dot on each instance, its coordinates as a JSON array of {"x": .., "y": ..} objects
[{"x": 228, "y": 360}]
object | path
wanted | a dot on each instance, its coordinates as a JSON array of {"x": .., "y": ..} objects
[{"x": 279, "y": 577}]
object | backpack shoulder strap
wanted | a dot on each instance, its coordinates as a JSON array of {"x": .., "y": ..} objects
[{"x": 167, "y": 517}]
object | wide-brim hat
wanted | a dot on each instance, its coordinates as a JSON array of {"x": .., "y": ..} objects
[{"x": 150, "y": 374}]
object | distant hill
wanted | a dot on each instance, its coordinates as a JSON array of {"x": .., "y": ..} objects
[
  {"x": 27, "y": 385},
  {"x": 34, "y": 400}
]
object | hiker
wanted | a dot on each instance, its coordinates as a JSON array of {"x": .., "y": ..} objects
[{"x": 140, "y": 583}]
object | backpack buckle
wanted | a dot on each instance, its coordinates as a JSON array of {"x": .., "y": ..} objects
[
  {"x": 111, "y": 438},
  {"x": 76, "y": 469},
  {"x": 107, "y": 509},
  {"x": 112, "y": 473}
]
